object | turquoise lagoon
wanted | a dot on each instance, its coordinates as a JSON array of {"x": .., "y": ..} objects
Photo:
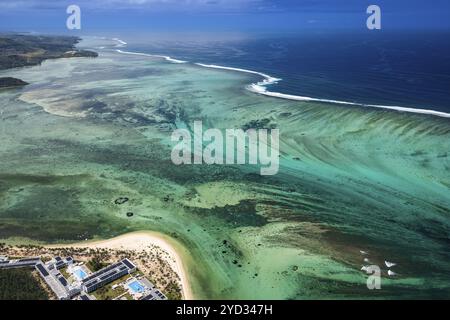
[{"x": 356, "y": 185}]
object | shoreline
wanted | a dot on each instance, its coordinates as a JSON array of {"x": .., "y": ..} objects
[{"x": 140, "y": 240}]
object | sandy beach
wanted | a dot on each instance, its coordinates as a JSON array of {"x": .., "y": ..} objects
[{"x": 141, "y": 240}]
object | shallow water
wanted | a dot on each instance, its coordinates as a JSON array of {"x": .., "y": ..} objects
[
  {"x": 397, "y": 68},
  {"x": 88, "y": 131}
]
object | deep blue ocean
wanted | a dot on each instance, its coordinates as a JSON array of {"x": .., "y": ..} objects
[{"x": 397, "y": 69}]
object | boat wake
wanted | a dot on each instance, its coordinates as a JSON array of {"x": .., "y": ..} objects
[{"x": 261, "y": 87}]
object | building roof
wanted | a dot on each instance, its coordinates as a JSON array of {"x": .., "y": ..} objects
[{"x": 108, "y": 273}]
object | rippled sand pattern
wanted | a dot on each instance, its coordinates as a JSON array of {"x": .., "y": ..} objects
[{"x": 88, "y": 131}]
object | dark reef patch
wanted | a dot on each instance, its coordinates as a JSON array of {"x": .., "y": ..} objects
[
  {"x": 259, "y": 124},
  {"x": 121, "y": 200},
  {"x": 9, "y": 82},
  {"x": 240, "y": 215}
]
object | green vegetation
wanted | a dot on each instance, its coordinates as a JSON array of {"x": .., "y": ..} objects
[
  {"x": 20, "y": 284},
  {"x": 170, "y": 289},
  {"x": 65, "y": 273},
  {"x": 80, "y": 54},
  {"x": 127, "y": 296},
  {"x": 18, "y": 50},
  {"x": 350, "y": 179},
  {"x": 173, "y": 291},
  {"x": 108, "y": 293},
  {"x": 9, "y": 82},
  {"x": 96, "y": 264}
]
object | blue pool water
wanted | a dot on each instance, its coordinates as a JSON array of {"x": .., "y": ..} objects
[
  {"x": 136, "y": 287},
  {"x": 80, "y": 274}
]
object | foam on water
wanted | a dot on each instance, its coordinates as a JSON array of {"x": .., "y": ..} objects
[
  {"x": 121, "y": 43},
  {"x": 338, "y": 164},
  {"x": 261, "y": 87},
  {"x": 151, "y": 55}
]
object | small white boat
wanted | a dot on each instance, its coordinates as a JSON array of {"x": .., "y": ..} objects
[
  {"x": 389, "y": 264},
  {"x": 391, "y": 273}
]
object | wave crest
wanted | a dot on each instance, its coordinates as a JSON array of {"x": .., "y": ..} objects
[{"x": 261, "y": 87}]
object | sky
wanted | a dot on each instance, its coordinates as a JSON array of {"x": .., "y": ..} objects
[{"x": 222, "y": 15}]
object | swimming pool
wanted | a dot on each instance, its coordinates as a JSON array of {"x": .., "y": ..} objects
[
  {"x": 80, "y": 274},
  {"x": 136, "y": 287}
]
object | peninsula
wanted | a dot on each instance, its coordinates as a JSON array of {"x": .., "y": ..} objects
[{"x": 20, "y": 50}]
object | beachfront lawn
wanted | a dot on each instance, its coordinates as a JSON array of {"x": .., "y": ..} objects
[
  {"x": 64, "y": 272},
  {"x": 108, "y": 293}
]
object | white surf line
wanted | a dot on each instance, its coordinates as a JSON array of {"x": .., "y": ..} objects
[
  {"x": 268, "y": 80},
  {"x": 121, "y": 43},
  {"x": 151, "y": 55},
  {"x": 260, "y": 88}
]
